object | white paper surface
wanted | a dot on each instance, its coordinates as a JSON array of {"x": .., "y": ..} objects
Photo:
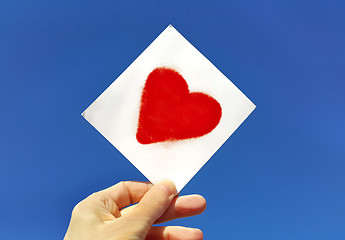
[{"x": 115, "y": 112}]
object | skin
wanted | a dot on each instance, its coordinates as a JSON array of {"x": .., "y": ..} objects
[{"x": 106, "y": 215}]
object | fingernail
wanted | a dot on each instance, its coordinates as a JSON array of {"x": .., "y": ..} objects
[{"x": 168, "y": 186}]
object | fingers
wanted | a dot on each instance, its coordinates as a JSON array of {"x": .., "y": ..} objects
[
  {"x": 154, "y": 203},
  {"x": 126, "y": 193},
  {"x": 174, "y": 233},
  {"x": 184, "y": 206}
]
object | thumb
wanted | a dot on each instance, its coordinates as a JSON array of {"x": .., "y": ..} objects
[{"x": 154, "y": 203}]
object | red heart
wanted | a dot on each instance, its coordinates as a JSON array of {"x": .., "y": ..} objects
[{"x": 170, "y": 112}]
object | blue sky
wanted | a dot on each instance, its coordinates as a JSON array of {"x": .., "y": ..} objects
[{"x": 280, "y": 175}]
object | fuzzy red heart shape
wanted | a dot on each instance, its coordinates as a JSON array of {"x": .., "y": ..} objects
[{"x": 169, "y": 112}]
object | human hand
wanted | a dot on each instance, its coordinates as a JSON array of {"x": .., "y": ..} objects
[{"x": 105, "y": 215}]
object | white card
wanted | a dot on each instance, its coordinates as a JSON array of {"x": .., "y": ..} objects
[{"x": 170, "y": 110}]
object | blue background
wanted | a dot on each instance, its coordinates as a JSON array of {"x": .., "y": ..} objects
[{"x": 281, "y": 174}]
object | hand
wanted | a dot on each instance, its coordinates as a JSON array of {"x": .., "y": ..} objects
[{"x": 105, "y": 215}]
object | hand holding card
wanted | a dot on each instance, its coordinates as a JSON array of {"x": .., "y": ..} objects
[{"x": 106, "y": 215}]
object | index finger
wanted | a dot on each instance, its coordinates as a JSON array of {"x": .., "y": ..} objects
[{"x": 127, "y": 192}]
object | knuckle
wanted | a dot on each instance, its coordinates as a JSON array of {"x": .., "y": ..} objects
[{"x": 77, "y": 209}]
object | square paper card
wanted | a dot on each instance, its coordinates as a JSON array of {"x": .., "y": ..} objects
[{"x": 170, "y": 110}]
